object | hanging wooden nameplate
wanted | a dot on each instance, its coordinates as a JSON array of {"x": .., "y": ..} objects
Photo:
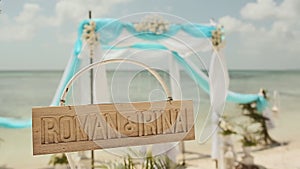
[{"x": 89, "y": 127}]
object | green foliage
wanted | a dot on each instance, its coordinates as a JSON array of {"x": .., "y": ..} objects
[
  {"x": 249, "y": 141},
  {"x": 250, "y": 110},
  {"x": 227, "y": 132},
  {"x": 247, "y": 127},
  {"x": 58, "y": 159},
  {"x": 159, "y": 162},
  {"x": 126, "y": 164},
  {"x": 226, "y": 127},
  {"x": 149, "y": 162},
  {"x": 251, "y": 127},
  {"x": 249, "y": 132}
]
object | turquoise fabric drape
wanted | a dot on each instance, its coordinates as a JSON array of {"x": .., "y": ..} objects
[
  {"x": 261, "y": 102},
  {"x": 110, "y": 30},
  {"x": 239, "y": 98},
  {"x": 14, "y": 123}
]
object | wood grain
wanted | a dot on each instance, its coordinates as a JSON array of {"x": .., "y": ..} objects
[{"x": 99, "y": 126}]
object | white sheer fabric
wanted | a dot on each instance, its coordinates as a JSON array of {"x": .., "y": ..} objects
[{"x": 184, "y": 45}]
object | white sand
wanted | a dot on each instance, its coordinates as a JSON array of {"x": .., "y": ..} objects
[
  {"x": 16, "y": 150},
  {"x": 283, "y": 157}
]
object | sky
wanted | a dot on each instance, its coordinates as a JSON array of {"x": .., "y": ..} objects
[{"x": 260, "y": 34}]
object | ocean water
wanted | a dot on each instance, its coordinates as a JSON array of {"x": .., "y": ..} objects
[{"x": 20, "y": 91}]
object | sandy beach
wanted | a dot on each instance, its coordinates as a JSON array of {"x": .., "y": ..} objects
[
  {"x": 18, "y": 156},
  {"x": 283, "y": 157}
]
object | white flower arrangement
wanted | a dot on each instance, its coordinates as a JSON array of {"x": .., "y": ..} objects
[
  {"x": 89, "y": 34},
  {"x": 153, "y": 23},
  {"x": 217, "y": 37}
]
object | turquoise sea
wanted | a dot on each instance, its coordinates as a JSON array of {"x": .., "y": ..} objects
[{"x": 21, "y": 90}]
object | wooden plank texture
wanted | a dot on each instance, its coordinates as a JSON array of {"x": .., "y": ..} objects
[{"x": 99, "y": 126}]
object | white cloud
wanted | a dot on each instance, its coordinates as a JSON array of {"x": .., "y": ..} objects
[
  {"x": 66, "y": 12},
  {"x": 265, "y": 9},
  {"x": 232, "y": 24},
  {"x": 289, "y": 9},
  {"x": 21, "y": 27},
  {"x": 24, "y": 26},
  {"x": 28, "y": 14},
  {"x": 71, "y": 12},
  {"x": 77, "y": 10},
  {"x": 13, "y": 33},
  {"x": 285, "y": 23},
  {"x": 261, "y": 9},
  {"x": 267, "y": 29}
]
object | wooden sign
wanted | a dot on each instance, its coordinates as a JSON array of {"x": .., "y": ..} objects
[{"x": 99, "y": 126}]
